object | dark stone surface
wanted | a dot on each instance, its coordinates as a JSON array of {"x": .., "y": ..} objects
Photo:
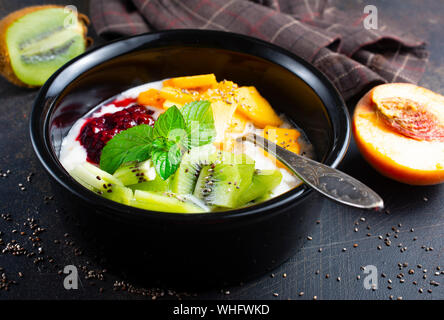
[{"x": 415, "y": 213}]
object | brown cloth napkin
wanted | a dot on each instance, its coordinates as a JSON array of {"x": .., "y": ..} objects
[{"x": 337, "y": 43}]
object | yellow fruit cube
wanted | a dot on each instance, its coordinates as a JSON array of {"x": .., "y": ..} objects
[
  {"x": 238, "y": 123},
  {"x": 192, "y": 82},
  {"x": 283, "y": 137},
  {"x": 151, "y": 97},
  {"x": 180, "y": 96},
  {"x": 256, "y": 108}
]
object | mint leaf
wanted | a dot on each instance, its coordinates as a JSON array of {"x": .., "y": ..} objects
[
  {"x": 199, "y": 122},
  {"x": 170, "y": 125},
  {"x": 133, "y": 144},
  {"x": 167, "y": 159}
]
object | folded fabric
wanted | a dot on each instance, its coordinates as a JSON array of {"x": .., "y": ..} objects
[{"x": 352, "y": 57}]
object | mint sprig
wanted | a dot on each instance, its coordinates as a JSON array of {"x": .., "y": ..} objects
[{"x": 174, "y": 132}]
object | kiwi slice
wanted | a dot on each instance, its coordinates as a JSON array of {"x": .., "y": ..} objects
[
  {"x": 262, "y": 183},
  {"x": 223, "y": 182},
  {"x": 167, "y": 202},
  {"x": 135, "y": 172},
  {"x": 36, "y": 41},
  {"x": 156, "y": 185},
  {"x": 102, "y": 183},
  {"x": 185, "y": 178}
]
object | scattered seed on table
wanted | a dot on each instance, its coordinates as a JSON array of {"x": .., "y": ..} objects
[
  {"x": 421, "y": 290},
  {"x": 301, "y": 293},
  {"x": 310, "y": 238},
  {"x": 411, "y": 271}
]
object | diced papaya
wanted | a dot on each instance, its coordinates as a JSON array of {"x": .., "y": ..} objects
[
  {"x": 192, "y": 82},
  {"x": 256, "y": 108},
  {"x": 180, "y": 96},
  {"x": 223, "y": 90},
  {"x": 238, "y": 123},
  {"x": 168, "y": 104},
  {"x": 283, "y": 137},
  {"x": 151, "y": 97}
]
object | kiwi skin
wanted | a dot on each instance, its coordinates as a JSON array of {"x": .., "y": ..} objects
[{"x": 5, "y": 62}]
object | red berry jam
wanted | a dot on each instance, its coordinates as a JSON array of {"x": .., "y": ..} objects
[{"x": 96, "y": 132}]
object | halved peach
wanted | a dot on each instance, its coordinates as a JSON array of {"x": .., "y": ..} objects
[{"x": 399, "y": 130}]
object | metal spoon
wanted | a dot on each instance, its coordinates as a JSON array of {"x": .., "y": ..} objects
[{"x": 330, "y": 182}]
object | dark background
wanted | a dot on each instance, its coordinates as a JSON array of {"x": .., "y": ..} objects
[{"x": 413, "y": 221}]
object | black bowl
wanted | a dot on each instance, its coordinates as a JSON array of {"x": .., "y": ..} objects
[{"x": 224, "y": 245}]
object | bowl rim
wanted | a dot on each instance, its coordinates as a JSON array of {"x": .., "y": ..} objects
[{"x": 42, "y": 147}]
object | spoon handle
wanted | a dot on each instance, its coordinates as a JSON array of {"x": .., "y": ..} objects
[{"x": 332, "y": 183}]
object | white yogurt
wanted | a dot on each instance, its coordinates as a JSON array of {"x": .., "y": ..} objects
[{"x": 72, "y": 153}]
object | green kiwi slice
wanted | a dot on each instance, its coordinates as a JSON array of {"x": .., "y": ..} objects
[
  {"x": 223, "y": 182},
  {"x": 167, "y": 202},
  {"x": 36, "y": 41},
  {"x": 185, "y": 178},
  {"x": 156, "y": 185},
  {"x": 262, "y": 183},
  {"x": 135, "y": 172},
  {"x": 102, "y": 183}
]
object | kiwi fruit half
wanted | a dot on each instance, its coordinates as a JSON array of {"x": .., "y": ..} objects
[{"x": 36, "y": 41}]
